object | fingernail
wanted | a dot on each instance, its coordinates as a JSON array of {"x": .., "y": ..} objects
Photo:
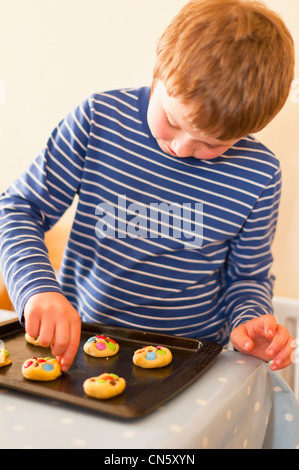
[
  {"x": 247, "y": 345},
  {"x": 270, "y": 352}
]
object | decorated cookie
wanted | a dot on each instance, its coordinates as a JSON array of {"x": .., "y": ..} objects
[
  {"x": 41, "y": 369},
  {"x": 150, "y": 357},
  {"x": 4, "y": 358},
  {"x": 32, "y": 340},
  {"x": 104, "y": 386},
  {"x": 101, "y": 346}
]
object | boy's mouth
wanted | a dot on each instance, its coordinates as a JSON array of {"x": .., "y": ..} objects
[{"x": 171, "y": 151}]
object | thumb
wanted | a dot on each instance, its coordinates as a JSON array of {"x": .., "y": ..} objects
[{"x": 240, "y": 339}]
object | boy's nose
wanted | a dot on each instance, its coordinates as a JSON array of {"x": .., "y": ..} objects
[{"x": 183, "y": 148}]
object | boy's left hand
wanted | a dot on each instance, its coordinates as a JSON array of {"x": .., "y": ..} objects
[{"x": 264, "y": 338}]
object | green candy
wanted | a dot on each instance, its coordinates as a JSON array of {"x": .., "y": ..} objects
[{"x": 111, "y": 346}]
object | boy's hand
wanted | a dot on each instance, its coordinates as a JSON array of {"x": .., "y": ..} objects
[
  {"x": 51, "y": 317},
  {"x": 264, "y": 338}
]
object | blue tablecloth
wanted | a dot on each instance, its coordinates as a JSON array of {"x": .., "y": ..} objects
[{"x": 238, "y": 403}]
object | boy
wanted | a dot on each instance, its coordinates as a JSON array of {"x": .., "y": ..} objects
[{"x": 177, "y": 203}]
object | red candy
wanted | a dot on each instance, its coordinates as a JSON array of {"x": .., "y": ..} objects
[
  {"x": 107, "y": 377},
  {"x": 28, "y": 364},
  {"x": 101, "y": 336}
]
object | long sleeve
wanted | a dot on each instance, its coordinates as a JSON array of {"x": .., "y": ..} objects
[
  {"x": 105, "y": 153},
  {"x": 34, "y": 203},
  {"x": 249, "y": 282}
]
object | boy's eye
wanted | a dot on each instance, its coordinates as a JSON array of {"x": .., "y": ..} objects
[
  {"x": 209, "y": 147},
  {"x": 172, "y": 124}
]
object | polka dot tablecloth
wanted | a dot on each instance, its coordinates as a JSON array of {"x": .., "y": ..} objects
[{"x": 238, "y": 403}]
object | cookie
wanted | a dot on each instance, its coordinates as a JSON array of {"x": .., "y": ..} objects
[
  {"x": 104, "y": 386},
  {"x": 150, "y": 357},
  {"x": 31, "y": 340},
  {"x": 41, "y": 369},
  {"x": 34, "y": 341},
  {"x": 4, "y": 358},
  {"x": 101, "y": 346}
]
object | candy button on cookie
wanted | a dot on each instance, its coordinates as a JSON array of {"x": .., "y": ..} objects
[
  {"x": 151, "y": 357},
  {"x": 104, "y": 386},
  {"x": 41, "y": 369},
  {"x": 4, "y": 358},
  {"x": 101, "y": 346}
]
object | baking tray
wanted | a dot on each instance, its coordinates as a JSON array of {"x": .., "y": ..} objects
[{"x": 146, "y": 390}]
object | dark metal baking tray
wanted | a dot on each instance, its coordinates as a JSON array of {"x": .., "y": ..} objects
[{"x": 146, "y": 390}]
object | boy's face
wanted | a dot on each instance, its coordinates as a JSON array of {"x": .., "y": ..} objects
[{"x": 174, "y": 134}]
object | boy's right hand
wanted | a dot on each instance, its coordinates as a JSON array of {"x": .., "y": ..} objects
[{"x": 51, "y": 317}]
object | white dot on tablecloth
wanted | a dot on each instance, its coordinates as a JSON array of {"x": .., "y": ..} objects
[
  {"x": 176, "y": 428},
  {"x": 129, "y": 434},
  {"x": 67, "y": 421},
  {"x": 235, "y": 430},
  {"x": 205, "y": 442},
  {"x": 79, "y": 442},
  {"x": 228, "y": 414},
  {"x": 257, "y": 406},
  {"x": 245, "y": 443},
  {"x": 10, "y": 408},
  {"x": 248, "y": 390},
  {"x": 18, "y": 427},
  {"x": 200, "y": 401},
  {"x": 222, "y": 379},
  {"x": 288, "y": 417},
  {"x": 240, "y": 361},
  {"x": 277, "y": 388}
]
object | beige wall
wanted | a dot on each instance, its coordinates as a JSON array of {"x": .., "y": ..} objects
[{"x": 54, "y": 53}]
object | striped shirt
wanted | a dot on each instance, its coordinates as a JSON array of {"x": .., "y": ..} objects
[{"x": 177, "y": 246}]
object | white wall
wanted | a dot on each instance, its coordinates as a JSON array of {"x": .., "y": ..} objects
[{"x": 54, "y": 53}]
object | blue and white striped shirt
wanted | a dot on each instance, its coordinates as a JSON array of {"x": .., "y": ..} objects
[{"x": 178, "y": 246}]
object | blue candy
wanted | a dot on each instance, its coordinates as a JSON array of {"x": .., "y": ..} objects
[
  {"x": 47, "y": 367},
  {"x": 91, "y": 339},
  {"x": 150, "y": 356}
]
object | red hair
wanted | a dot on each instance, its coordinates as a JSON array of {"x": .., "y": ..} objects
[{"x": 233, "y": 59}]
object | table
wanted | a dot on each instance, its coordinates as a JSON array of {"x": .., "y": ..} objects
[{"x": 238, "y": 403}]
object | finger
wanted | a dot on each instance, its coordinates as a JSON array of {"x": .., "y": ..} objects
[
  {"x": 240, "y": 339},
  {"x": 46, "y": 333},
  {"x": 32, "y": 325},
  {"x": 68, "y": 357},
  {"x": 264, "y": 325},
  {"x": 270, "y": 326},
  {"x": 284, "y": 357},
  {"x": 62, "y": 338},
  {"x": 279, "y": 341}
]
